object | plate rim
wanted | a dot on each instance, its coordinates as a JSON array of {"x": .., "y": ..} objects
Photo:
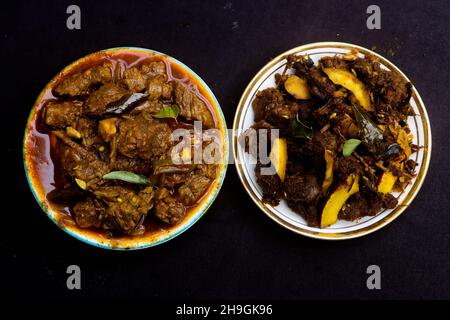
[{"x": 421, "y": 175}]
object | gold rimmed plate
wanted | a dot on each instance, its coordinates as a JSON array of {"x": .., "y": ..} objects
[{"x": 282, "y": 214}]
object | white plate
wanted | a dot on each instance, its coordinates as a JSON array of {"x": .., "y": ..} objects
[{"x": 282, "y": 214}]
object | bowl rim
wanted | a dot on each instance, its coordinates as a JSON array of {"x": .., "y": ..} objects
[
  {"x": 211, "y": 196},
  {"x": 396, "y": 212}
]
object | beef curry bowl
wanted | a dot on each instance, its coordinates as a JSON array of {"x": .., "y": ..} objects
[
  {"x": 333, "y": 140},
  {"x": 125, "y": 148}
]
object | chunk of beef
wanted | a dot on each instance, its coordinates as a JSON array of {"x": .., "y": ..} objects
[
  {"x": 99, "y": 100},
  {"x": 149, "y": 106},
  {"x": 136, "y": 78},
  {"x": 389, "y": 201},
  {"x": 61, "y": 114},
  {"x": 266, "y": 100},
  {"x": 167, "y": 207},
  {"x": 154, "y": 68},
  {"x": 333, "y": 62},
  {"x": 158, "y": 88},
  {"x": 319, "y": 84},
  {"x": 191, "y": 106},
  {"x": 85, "y": 126},
  {"x": 392, "y": 89},
  {"x": 126, "y": 208},
  {"x": 144, "y": 137},
  {"x": 308, "y": 211},
  {"x": 258, "y": 135},
  {"x": 89, "y": 213},
  {"x": 313, "y": 149},
  {"x": 193, "y": 189},
  {"x": 81, "y": 163},
  {"x": 271, "y": 185},
  {"x": 389, "y": 87},
  {"x": 304, "y": 188},
  {"x": 172, "y": 180},
  {"x": 361, "y": 204},
  {"x": 207, "y": 170},
  {"x": 365, "y": 69},
  {"x": 281, "y": 114},
  {"x": 135, "y": 165},
  {"x": 346, "y": 166},
  {"x": 79, "y": 84}
]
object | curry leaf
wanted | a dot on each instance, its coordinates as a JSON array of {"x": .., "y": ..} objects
[
  {"x": 300, "y": 130},
  {"x": 126, "y": 104},
  {"x": 369, "y": 130},
  {"x": 171, "y": 111},
  {"x": 127, "y": 177},
  {"x": 350, "y": 146}
]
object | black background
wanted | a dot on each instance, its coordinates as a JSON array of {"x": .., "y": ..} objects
[{"x": 234, "y": 251}]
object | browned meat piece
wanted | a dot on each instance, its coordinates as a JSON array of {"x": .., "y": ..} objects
[
  {"x": 168, "y": 208},
  {"x": 318, "y": 82},
  {"x": 99, "y": 100},
  {"x": 135, "y": 165},
  {"x": 149, "y": 106},
  {"x": 308, "y": 211},
  {"x": 126, "y": 209},
  {"x": 258, "y": 134},
  {"x": 193, "y": 189},
  {"x": 361, "y": 204},
  {"x": 88, "y": 213},
  {"x": 366, "y": 68},
  {"x": 80, "y": 163},
  {"x": 79, "y": 84},
  {"x": 333, "y": 62},
  {"x": 281, "y": 114},
  {"x": 158, "y": 88},
  {"x": 266, "y": 100},
  {"x": 302, "y": 188},
  {"x": 134, "y": 80},
  {"x": 389, "y": 201},
  {"x": 271, "y": 186},
  {"x": 172, "y": 180},
  {"x": 388, "y": 87},
  {"x": 85, "y": 126},
  {"x": 154, "y": 68},
  {"x": 313, "y": 149},
  {"x": 346, "y": 166},
  {"x": 144, "y": 137},
  {"x": 392, "y": 89},
  {"x": 305, "y": 108},
  {"x": 61, "y": 114},
  {"x": 191, "y": 106},
  {"x": 207, "y": 170}
]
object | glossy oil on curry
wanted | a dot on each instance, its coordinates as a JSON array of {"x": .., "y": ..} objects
[{"x": 98, "y": 148}]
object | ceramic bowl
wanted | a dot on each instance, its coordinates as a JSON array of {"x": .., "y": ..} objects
[{"x": 39, "y": 173}]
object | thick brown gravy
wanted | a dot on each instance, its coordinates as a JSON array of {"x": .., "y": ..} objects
[{"x": 40, "y": 143}]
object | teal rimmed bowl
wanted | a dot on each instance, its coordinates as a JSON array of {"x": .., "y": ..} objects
[{"x": 39, "y": 172}]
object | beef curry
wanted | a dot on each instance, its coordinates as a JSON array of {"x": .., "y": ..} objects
[{"x": 109, "y": 124}]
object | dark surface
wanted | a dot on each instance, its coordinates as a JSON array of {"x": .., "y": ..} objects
[{"x": 234, "y": 251}]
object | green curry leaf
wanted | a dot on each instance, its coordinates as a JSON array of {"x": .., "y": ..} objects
[
  {"x": 349, "y": 146},
  {"x": 127, "y": 177},
  {"x": 171, "y": 111},
  {"x": 300, "y": 130}
]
